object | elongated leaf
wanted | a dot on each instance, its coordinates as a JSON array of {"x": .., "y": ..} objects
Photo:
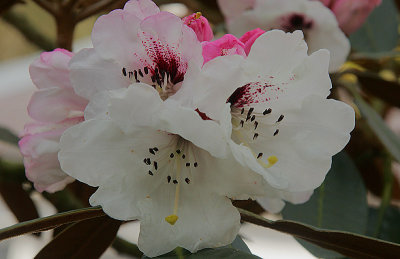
[
  {"x": 386, "y": 90},
  {"x": 50, "y": 222},
  {"x": 85, "y": 239},
  {"x": 18, "y": 200},
  {"x": 349, "y": 244},
  {"x": 386, "y": 136},
  {"x": 339, "y": 204},
  {"x": 379, "y": 32},
  {"x": 7, "y": 136},
  {"x": 390, "y": 226}
]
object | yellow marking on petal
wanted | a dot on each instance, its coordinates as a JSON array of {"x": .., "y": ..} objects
[
  {"x": 171, "y": 219},
  {"x": 198, "y": 15},
  {"x": 272, "y": 160}
]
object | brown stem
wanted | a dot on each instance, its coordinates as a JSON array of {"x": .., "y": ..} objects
[{"x": 65, "y": 32}]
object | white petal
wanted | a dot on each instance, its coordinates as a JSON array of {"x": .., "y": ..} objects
[
  {"x": 307, "y": 140},
  {"x": 187, "y": 123},
  {"x": 135, "y": 106},
  {"x": 205, "y": 220},
  {"x": 208, "y": 91},
  {"x": 114, "y": 35},
  {"x": 141, "y": 8},
  {"x": 91, "y": 74}
]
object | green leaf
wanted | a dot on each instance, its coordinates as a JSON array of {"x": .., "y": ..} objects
[
  {"x": 239, "y": 244},
  {"x": 50, "y": 222},
  {"x": 238, "y": 249},
  {"x": 339, "y": 204},
  {"x": 348, "y": 244},
  {"x": 216, "y": 253},
  {"x": 7, "y": 136},
  {"x": 390, "y": 226},
  {"x": 379, "y": 32},
  {"x": 376, "y": 123},
  {"x": 85, "y": 239}
]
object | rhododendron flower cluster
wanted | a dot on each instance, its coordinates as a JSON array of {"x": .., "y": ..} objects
[{"x": 176, "y": 125}]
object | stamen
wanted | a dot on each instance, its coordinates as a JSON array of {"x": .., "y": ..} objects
[
  {"x": 172, "y": 155},
  {"x": 195, "y": 164},
  {"x": 146, "y": 70},
  {"x": 276, "y": 132},
  {"x": 242, "y": 111},
  {"x": 175, "y": 181},
  {"x": 178, "y": 151},
  {"x": 150, "y": 173},
  {"x": 241, "y": 123},
  {"x": 171, "y": 219},
  {"x": 280, "y": 118},
  {"x": 259, "y": 155},
  {"x": 155, "y": 165},
  {"x": 183, "y": 156},
  {"x": 135, "y": 73},
  {"x": 152, "y": 151},
  {"x": 255, "y": 125},
  {"x": 272, "y": 160},
  {"x": 155, "y": 149},
  {"x": 267, "y": 111},
  {"x": 253, "y": 118},
  {"x": 169, "y": 178},
  {"x": 187, "y": 180},
  {"x": 124, "y": 71},
  {"x": 140, "y": 73},
  {"x": 187, "y": 164},
  {"x": 255, "y": 136}
]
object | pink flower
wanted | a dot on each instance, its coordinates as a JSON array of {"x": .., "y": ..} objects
[
  {"x": 249, "y": 37},
  {"x": 55, "y": 107},
  {"x": 224, "y": 46},
  {"x": 200, "y": 26},
  {"x": 351, "y": 14}
]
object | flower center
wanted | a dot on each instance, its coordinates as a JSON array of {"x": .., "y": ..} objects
[
  {"x": 296, "y": 21},
  {"x": 175, "y": 163}
]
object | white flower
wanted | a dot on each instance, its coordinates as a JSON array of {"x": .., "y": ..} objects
[
  {"x": 283, "y": 127},
  {"x": 317, "y": 22},
  {"x": 155, "y": 161},
  {"x": 152, "y": 158}
]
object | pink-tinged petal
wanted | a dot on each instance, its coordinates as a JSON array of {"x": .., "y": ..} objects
[
  {"x": 327, "y": 2},
  {"x": 249, "y": 37},
  {"x": 51, "y": 69},
  {"x": 40, "y": 146},
  {"x": 233, "y": 8},
  {"x": 55, "y": 104},
  {"x": 199, "y": 24},
  {"x": 351, "y": 14},
  {"x": 141, "y": 8},
  {"x": 225, "y": 46},
  {"x": 115, "y": 34},
  {"x": 168, "y": 45},
  {"x": 91, "y": 74}
]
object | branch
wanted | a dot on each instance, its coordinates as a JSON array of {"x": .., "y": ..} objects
[
  {"x": 97, "y": 7},
  {"x": 46, "y": 5}
]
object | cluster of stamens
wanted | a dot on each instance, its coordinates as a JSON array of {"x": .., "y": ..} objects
[
  {"x": 251, "y": 118},
  {"x": 178, "y": 154},
  {"x": 159, "y": 79}
]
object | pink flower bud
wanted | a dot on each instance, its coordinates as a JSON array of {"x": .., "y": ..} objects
[
  {"x": 351, "y": 14},
  {"x": 200, "y": 26},
  {"x": 249, "y": 37},
  {"x": 227, "y": 45}
]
